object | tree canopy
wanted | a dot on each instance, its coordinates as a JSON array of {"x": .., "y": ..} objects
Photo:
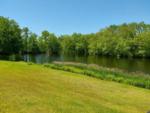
[
  {"x": 10, "y": 36},
  {"x": 125, "y": 40}
]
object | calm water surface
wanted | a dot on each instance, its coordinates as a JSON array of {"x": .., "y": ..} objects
[{"x": 131, "y": 65}]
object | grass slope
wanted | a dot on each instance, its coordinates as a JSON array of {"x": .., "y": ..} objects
[
  {"x": 36, "y": 89},
  {"x": 135, "y": 79}
]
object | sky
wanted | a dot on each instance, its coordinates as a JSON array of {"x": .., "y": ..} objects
[{"x": 69, "y": 16}]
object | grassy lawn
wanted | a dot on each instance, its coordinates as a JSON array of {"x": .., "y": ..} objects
[{"x": 34, "y": 88}]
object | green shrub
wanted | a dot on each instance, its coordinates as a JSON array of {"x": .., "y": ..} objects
[{"x": 30, "y": 63}]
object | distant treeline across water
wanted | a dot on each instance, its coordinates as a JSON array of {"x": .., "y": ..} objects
[{"x": 125, "y": 40}]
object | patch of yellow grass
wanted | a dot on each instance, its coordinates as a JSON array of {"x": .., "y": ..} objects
[{"x": 35, "y": 89}]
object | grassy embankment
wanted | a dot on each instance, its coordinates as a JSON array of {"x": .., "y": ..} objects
[
  {"x": 135, "y": 79},
  {"x": 34, "y": 88}
]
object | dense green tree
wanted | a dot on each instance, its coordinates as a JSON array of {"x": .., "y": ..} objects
[
  {"x": 43, "y": 41},
  {"x": 67, "y": 44},
  {"x": 25, "y": 36},
  {"x": 76, "y": 44},
  {"x": 10, "y": 36},
  {"x": 49, "y": 43},
  {"x": 143, "y": 44},
  {"x": 129, "y": 40},
  {"x": 53, "y": 44},
  {"x": 33, "y": 43}
]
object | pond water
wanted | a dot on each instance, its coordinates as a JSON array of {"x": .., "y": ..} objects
[{"x": 130, "y": 65}]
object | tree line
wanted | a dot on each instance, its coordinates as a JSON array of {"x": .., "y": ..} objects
[{"x": 125, "y": 40}]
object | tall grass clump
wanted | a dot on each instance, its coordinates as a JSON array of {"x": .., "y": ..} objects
[{"x": 135, "y": 79}]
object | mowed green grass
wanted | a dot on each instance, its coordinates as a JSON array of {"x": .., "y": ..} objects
[{"x": 34, "y": 88}]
